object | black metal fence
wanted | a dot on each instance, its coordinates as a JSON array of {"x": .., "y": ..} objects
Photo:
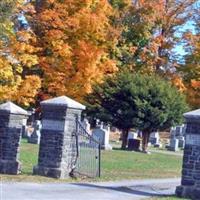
[{"x": 88, "y": 158}]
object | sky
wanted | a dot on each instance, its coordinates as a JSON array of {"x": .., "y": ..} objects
[{"x": 179, "y": 49}]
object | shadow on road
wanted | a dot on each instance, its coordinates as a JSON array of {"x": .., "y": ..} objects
[{"x": 124, "y": 189}]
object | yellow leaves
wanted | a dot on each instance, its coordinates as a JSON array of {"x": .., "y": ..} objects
[
  {"x": 75, "y": 37},
  {"x": 13, "y": 87},
  {"x": 28, "y": 60},
  {"x": 55, "y": 34},
  {"x": 18, "y": 69},
  {"x": 93, "y": 23},
  {"x": 28, "y": 90},
  {"x": 23, "y": 50},
  {"x": 6, "y": 73},
  {"x": 17, "y": 56},
  {"x": 9, "y": 81},
  {"x": 23, "y": 47},
  {"x": 178, "y": 82}
]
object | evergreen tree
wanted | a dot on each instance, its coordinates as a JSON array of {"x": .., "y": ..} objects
[{"x": 147, "y": 103}]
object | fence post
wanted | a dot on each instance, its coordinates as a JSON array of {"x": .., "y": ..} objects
[
  {"x": 57, "y": 137},
  {"x": 11, "y": 117},
  {"x": 99, "y": 160}
]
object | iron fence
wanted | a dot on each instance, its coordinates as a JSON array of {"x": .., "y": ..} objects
[{"x": 88, "y": 153}]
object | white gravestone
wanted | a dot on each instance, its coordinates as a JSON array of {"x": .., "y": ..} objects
[
  {"x": 174, "y": 145},
  {"x": 177, "y": 131},
  {"x": 181, "y": 142},
  {"x": 180, "y": 130},
  {"x": 132, "y": 135},
  {"x": 154, "y": 138},
  {"x": 28, "y": 131},
  {"x": 102, "y": 136},
  {"x": 173, "y": 132},
  {"x": 24, "y": 122},
  {"x": 35, "y": 136},
  {"x": 86, "y": 126}
]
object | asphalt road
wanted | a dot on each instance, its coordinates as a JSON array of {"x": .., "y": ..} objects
[{"x": 122, "y": 190}]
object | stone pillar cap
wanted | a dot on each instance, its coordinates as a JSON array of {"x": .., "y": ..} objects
[
  {"x": 64, "y": 101},
  {"x": 192, "y": 114},
  {"x": 11, "y": 108}
]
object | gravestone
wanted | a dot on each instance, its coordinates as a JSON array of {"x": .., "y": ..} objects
[
  {"x": 154, "y": 138},
  {"x": 24, "y": 122},
  {"x": 133, "y": 141},
  {"x": 134, "y": 144},
  {"x": 173, "y": 144},
  {"x": 34, "y": 138},
  {"x": 24, "y": 131},
  {"x": 11, "y": 117},
  {"x": 29, "y": 131},
  {"x": 180, "y": 130},
  {"x": 31, "y": 117},
  {"x": 181, "y": 142},
  {"x": 86, "y": 125},
  {"x": 102, "y": 135},
  {"x": 177, "y": 131},
  {"x": 57, "y": 152},
  {"x": 190, "y": 183},
  {"x": 132, "y": 135}
]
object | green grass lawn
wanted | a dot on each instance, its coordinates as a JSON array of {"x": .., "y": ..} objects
[
  {"x": 116, "y": 165},
  {"x": 167, "y": 198}
]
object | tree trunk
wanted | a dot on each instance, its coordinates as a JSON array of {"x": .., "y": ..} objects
[
  {"x": 124, "y": 138},
  {"x": 145, "y": 140}
]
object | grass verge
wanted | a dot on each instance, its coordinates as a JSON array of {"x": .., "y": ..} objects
[
  {"x": 167, "y": 198},
  {"x": 116, "y": 165}
]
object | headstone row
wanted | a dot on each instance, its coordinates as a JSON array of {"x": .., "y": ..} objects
[{"x": 177, "y": 138}]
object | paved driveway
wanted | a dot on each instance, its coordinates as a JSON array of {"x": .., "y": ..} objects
[{"x": 123, "y": 190}]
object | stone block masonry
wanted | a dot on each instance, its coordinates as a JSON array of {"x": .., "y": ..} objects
[
  {"x": 190, "y": 184},
  {"x": 11, "y": 117},
  {"x": 56, "y": 153}
]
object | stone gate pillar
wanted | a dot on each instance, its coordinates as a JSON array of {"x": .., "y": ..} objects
[
  {"x": 190, "y": 184},
  {"x": 57, "y": 136},
  {"x": 11, "y": 118}
]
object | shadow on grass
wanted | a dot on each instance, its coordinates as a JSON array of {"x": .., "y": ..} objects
[
  {"x": 124, "y": 189},
  {"x": 127, "y": 150},
  {"x": 118, "y": 149}
]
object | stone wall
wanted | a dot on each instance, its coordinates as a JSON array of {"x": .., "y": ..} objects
[
  {"x": 57, "y": 145},
  {"x": 11, "y": 117},
  {"x": 190, "y": 183}
]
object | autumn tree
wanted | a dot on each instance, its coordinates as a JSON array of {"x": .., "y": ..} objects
[
  {"x": 147, "y": 103},
  {"x": 190, "y": 69},
  {"x": 75, "y": 38},
  {"x": 17, "y": 57},
  {"x": 150, "y": 31}
]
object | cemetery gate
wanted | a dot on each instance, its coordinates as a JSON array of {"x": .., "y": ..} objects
[{"x": 88, "y": 153}]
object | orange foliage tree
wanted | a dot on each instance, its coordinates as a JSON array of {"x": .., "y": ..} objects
[
  {"x": 17, "y": 59},
  {"x": 191, "y": 68},
  {"x": 75, "y": 38},
  {"x": 150, "y": 32}
]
